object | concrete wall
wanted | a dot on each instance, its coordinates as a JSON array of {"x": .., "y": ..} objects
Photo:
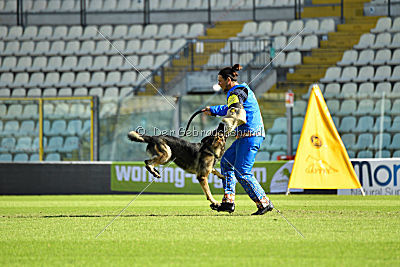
[
  {"x": 55, "y": 178},
  {"x": 277, "y": 13}
]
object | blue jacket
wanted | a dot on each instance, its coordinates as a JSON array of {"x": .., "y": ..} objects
[{"x": 254, "y": 123}]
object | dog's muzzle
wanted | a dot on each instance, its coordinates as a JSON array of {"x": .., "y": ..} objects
[{"x": 234, "y": 118}]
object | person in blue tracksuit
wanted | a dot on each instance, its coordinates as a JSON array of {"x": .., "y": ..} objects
[{"x": 238, "y": 160}]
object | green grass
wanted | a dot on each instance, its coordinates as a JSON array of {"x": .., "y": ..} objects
[{"x": 182, "y": 230}]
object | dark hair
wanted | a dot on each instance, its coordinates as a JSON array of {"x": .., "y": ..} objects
[{"x": 230, "y": 72}]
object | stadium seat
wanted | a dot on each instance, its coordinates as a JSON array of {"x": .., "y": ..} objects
[
  {"x": 366, "y": 41},
  {"x": 71, "y": 143},
  {"x": 52, "y": 64},
  {"x": 69, "y": 63},
  {"x": 279, "y": 126},
  {"x": 74, "y": 127},
  {"x": 58, "y": 127},
  {"x": 365, "y": 74},
  {"x": 386, "y": 138},
  {"x": 14, "y": 32},
  {"x": 24, "y": 64},
  {"x": 332, "y": 90},
  {"x": 53, "y": 157},
  {"x": 299, "y": 108},
  {"x": 80, "y": 91},
  {"x": 333, "y": 105},
  {"x": 395, "y": 74},
  {"x": 4, "y": 92},
  {"x": 264, "y": 29},
  {"x": 364, "y": 141},
  {"x": 382, "y": 73},
  {"x": 65, "y": 91},
  {"x": 382, "y": 57},
  {"x": 163, "y": 46},
  {"x": 309, "y": 42},
  {"x": 36, "y": 80},
  {"x": 278, "y": 60},
  {"x": 365, "y": 154},
  {"x": 366, "y": 57},
  {"x": 5, "y": 157},
  {"x": 395, "y": 111},
  {"x": 23, "y": 144},
  {"x": 349, "y": 58},
  {"x": 382, "y": 40},
  {"x": 20, "y": 157},
  {"x": 365, "y": 90},
  {"x": 196, "y": 29},
  {"x": 40, "y": 64},
  {"x": 383, "y": 25},
  {"x": 292, "y": 59},
  {"x": 96, "y": 91},
  {"x": 10, "y": 128},
  {"x": 81, "y": 79},
  {"x": 6, "y": 80},
  {"x": 326, "y": 26},
  {"x": 365, "y": 124},
  {"x": 59, "y": 47},
  {"x": 387, "y": 122},
  {"x": 332, "y": 74},
  {"x": 165, "y": 31},
  {"x": 347, "y": 107},
  {"x": 18, "y": 92},
  {"x": 349, "y": 90},
  {"x": 249, "y": 29},
  {"x": 27, "y": 128},
  {"x": 395, "y": 127},
  {"x": 395, "y": 60},
  {"x": 30, "y": 112},
  {"x": 395, "y": 42},
  {"x": 76, "y": 111},
  {"x": 395, "y": 145},
  {"x": 7, "y": 144},
  {"x": 382, "y": 154},
  {"x": 41, "y": 48},
  {"x": 14, "y": 111},
  {"x": 348, "y": 124},
  {"x": 51, "y": 79},
  {"x": 383, "y": 89},
  {"x": 35, "y": 143},
  {"x": 55, "y": 144},
  {"x": 9, "y": 64},
  {"x": 297, "y": 124},
  {"x": 59, "y": 112},
  {"x": 279, "y": 142},
  {"x": 311, "y": 27},
  {"x": 387, "y": 104},
  {"x": 295, "y": 27},
  {"x": 20, "y": 80},
  {"x": 148, "y": 46}
]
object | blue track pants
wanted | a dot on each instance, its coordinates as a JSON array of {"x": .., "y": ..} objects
[{"x": 236, "y": 165}]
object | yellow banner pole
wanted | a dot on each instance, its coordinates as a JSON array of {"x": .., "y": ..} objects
[{"x": 40, "y": 129}]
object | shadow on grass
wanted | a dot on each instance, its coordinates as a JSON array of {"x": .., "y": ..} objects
[{"x": 127, "y": 216}]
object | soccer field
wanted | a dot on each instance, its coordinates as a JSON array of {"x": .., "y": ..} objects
[{"x": 182, "y": 230}]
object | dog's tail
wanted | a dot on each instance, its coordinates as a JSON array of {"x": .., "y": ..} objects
[{"x": 137, "y": 137}]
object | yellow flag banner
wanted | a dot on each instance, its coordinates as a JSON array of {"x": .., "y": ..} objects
[{"x": 321, "y": 160}]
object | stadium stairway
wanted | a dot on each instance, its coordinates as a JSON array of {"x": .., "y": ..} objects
[
  {"x": 331, "y": 50},
  {"x": 221, "y": 30}
]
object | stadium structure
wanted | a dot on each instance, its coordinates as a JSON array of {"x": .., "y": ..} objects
[{"x": 77, "y": 75}]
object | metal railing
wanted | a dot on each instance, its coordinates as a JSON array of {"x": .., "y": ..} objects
[{"x": 39, "y": 102}]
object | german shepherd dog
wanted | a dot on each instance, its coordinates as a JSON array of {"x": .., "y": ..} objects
[{"x": 196, "y": 158}]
